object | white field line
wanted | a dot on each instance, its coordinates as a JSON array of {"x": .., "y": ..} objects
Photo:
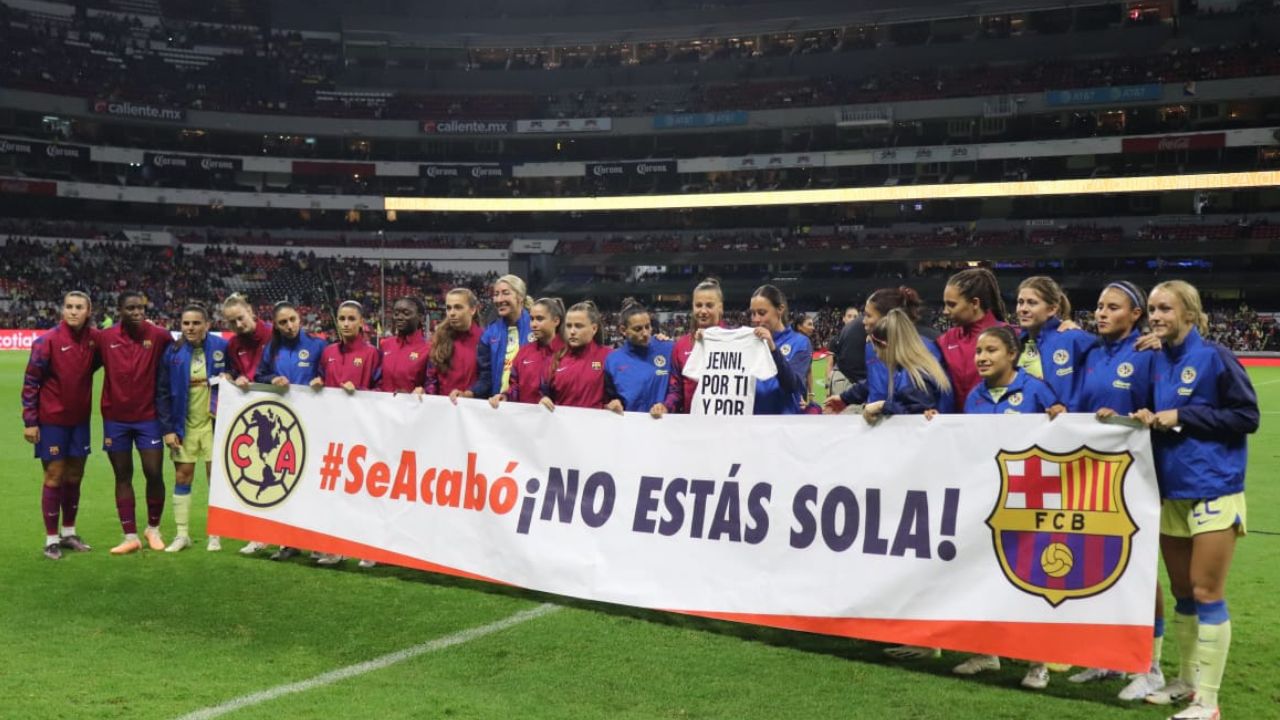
[{"x": 378, "y": 663}]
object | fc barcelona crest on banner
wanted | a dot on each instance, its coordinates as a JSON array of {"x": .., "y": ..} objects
[{"x": 1061, "y": 529}]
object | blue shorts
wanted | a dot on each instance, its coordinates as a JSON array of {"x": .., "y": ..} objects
[
  {"x": 63, "y": 441},
  {"x": 146, "y": 435}
]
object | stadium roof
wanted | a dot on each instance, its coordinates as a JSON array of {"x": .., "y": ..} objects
[{"x": 543, "y": 23}]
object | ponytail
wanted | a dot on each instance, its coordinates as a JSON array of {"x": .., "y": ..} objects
[
  {"x": 904, "y": 298},
  {"x": 1049, "y": 291},
  {"x": 630, "y": 308},
  {"x": 981, "y": 283},
  {"x": 593, "y": 316}
]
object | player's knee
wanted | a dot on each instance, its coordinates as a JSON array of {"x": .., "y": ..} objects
[{"x": 1207, "y": 593}]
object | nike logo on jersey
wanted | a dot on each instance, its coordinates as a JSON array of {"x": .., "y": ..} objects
[
  {"x": 66, "y": 348},
  {"x": 243, "y": 352},
  {"x": 953, "y": 347},
  {"x": 560, "y": 370},
  {"x": 155, "y": 442},
  {"x": 527, "y": 362},
  {"x": 116, "y": 345}
]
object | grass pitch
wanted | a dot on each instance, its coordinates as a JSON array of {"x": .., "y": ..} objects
[{"x": 156, "y": 636}]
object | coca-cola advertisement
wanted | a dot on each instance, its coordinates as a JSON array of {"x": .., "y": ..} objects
[{"x": 1174, "y": 143}]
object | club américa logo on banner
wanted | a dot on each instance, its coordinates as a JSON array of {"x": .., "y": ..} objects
[
  {"x": 1060, "y": 527},
  {"x": 265, "y": 453}
]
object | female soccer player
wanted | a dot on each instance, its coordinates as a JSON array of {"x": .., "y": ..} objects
[
  {"x": 575, "y": 377},
  {"x": 1005, "y": 389},
  {"x": 915, "y": 382},
  {"x": 503, "y": 338},
  {"x": 291, "y": 358},
  {"x": 453, "y": 369},
  {"x": 783, "y": 394},
  {"x": 546, "y": 320},
  {"x": 405, "y": 354},
  {"x": 972, "y": 302},
  {"x": 130, "y": 354},
  {"x": 878, "y": 305},
  {"x": 708, "y": 311},
  {"x": 1204, "y": 408},
  {"x": 57, "y": 394},
  {"x": 352, "y": 364},
  {"x": 1057, "y": 357},
  {"x": 187, "y": 403},
  {"x": 1117, "y": 381},
  {"x": 637, "y": 372},
  {"x": 249, "y": 339}
]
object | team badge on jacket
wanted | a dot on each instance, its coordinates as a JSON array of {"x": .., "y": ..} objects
[
  {"x": 1125, "y": 369},
  {"x": 1188, "y": 375},
  {"x": 1060, "y": 527},
  {"x": 1061, "y": 357},
  {"x": 660, "y": 361}
]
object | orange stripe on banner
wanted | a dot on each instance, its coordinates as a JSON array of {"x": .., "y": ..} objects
[
  {"x": 228, "y": 523},
  {"x": 1119, "y": 647}
]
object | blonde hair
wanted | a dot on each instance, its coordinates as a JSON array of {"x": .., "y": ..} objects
[
  {"x": 1050, "y": 291},
  {"x": 902, "y": 348},
  {"x": 236, "y": 299},
  {"x": 1189, "y": 296},
  {"x": 517, "y": 284}
]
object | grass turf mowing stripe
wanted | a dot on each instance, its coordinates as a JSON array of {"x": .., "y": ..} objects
[{"x": 368, "y": 666}]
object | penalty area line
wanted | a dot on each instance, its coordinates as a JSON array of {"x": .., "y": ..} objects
[{"x": 368, "y": 666}]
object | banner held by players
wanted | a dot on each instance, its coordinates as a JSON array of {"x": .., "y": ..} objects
[{"x": 1009, "y": 535}]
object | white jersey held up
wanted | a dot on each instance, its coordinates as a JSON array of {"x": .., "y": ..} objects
[{"x": 727, "y": 364}]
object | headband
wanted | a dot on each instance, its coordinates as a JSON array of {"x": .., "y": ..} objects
[{"x": 1125, "y": 289}]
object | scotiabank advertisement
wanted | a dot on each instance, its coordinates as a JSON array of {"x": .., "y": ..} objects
[
  {"x": 24, "y": 339},
  {"x": 19, "y": 339}
]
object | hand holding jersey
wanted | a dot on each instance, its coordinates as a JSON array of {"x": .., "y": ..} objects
[{"x": 726, "y": 365}]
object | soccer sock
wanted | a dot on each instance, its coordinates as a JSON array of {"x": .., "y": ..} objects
[
  {"x": 155, "y": 509},
  {"x": 50, "y": 502},
  {"x": 1213, "y": 643},
  {"x": 182, "y": 508},
  {"x": 1157, "y": 644},
  {"x": 1185, "y": 634},
  {"x": 68, "y": 530},
  {"x": 70, "y": 506},
  {"x": 127, "y": 510}
]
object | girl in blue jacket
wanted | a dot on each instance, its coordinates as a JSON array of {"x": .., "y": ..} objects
[
  {"x": 292, "y": 357},
  {"x": 1117, "y": 381},
  {"x": 1204, "y": 408},
  {"x": 503, "y": 337},
  {"x": 913, "y": 381},
  {"x": 1006, "y": 390},
  {"x": 186, "y": 403},
  {"x": 1050, "y": 353},
  {"x": 785, "y": 393}
]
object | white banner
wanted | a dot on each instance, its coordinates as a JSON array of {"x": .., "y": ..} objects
[{"x": 1009, "y": 535}]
